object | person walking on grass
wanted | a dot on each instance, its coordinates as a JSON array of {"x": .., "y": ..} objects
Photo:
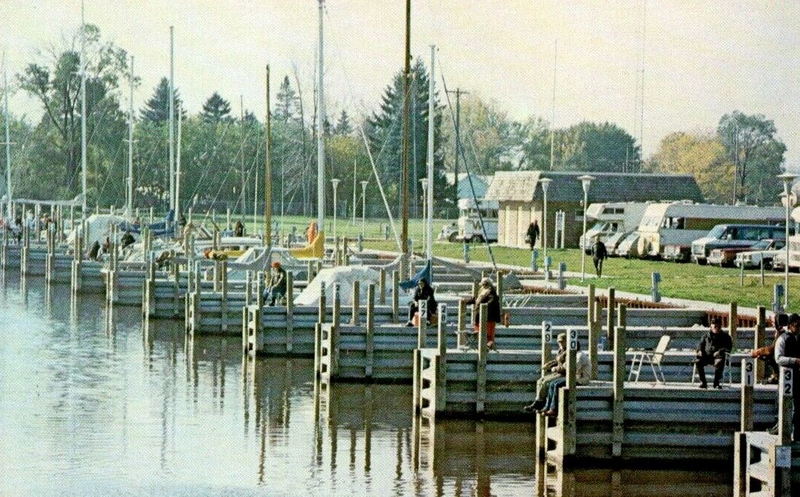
[
  {"x": 532, "y": 234},
  {"x": 712, "y": 350},
  {"x": 787, "y": 355},
  {"x": 599, "y": 254}
]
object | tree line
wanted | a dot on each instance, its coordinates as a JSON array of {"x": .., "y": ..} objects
[{"x": 222, "y": 153}]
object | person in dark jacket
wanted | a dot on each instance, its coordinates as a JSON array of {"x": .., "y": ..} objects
[
  {"x": 238, "y": 230},
  {"x": 599, "y": 254},
  {"x": 532, "y": 234},
  {"x": 487, "y": 294},
  {"x": 552, "y": 370},
  {"x": 787, "y": 355},
  {"x": 94, "y": 251},
  {"x": 712, "y": 349},
  {"x": 127, "y": 239},
  {"x": 276, "y": 290},
  {"x": 424, "y": 291}
]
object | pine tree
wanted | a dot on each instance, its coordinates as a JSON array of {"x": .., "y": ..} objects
[
  {"x": 343, "y": 126},
  {"x": 156, "y": 109},
  {"x": 216, "y": 109},
  {"x": 285, "y": 102}
]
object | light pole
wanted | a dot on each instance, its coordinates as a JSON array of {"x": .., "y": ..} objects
[
  {"x": 545, "y": 182},
  {"x": 335, "y": 183},
  {"x": 585, "y": 180},
  {"x": 424, "y": 183},
  {"x": 787, "y": 179},
  {"x": 363, "y": 206}
]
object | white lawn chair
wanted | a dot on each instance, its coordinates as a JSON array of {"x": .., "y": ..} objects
[{"x": 653, "y": 357}]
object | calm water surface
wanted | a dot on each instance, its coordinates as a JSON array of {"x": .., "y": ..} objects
[{"x": 93, "y": 403}]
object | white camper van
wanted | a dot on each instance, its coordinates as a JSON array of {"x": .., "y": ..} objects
[
  {"x": 469, "y": 223},
  {"x": 611, "y": 218},
  {"x": 668, "y": 229}
]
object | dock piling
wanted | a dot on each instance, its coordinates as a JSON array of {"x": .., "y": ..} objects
[{"x": 619, "y": 383}]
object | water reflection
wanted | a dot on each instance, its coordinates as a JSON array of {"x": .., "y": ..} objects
[{"x": 94, "y": 402}]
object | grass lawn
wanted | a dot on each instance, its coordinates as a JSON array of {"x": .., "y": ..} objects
[{"x": 687, "y": 281}]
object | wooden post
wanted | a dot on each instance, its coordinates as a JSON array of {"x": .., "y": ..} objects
[
  {"x": 355, "y": 306},
  {"x": 336, "y": 321},
  {"x": 611, "y": 305},
  {"x": 289, "y": 311},
  {"x": 441, "y": 331},
  {"x": 483, "y": 351},
  {"x": 619, "y": 383},
  {"x": 369, "y": 350},
  {"x": 748, "y": 380},
  {"x": 309, "y": 272},
  {"x": 592, "y": 322},
  {"x": 382, "y": 287},
  {"x": 321, "y": 308},
  {"x": 474, "y": 289},
  {"x": 567, "y": 415},
  {"x": 500, "y": 291},
  {"x": 260, "y": 288},
  {"x": 547, "y": 344},
  {"x": 224, "y": 301},
  {"x": 758, "y": 341},
  {"x": 441, "y": 361},
  {"x": 733, "y": 322},
  {"x": 248, "y": 287},
  {"x": 422, "y": 327},
  {"x": 461, "y": 325},
  {"x": 395, "y": 295}
]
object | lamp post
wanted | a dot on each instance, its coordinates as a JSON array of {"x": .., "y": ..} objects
[
  {"x": 424, "y": 183},
  {"x": 585, "y": 180},
  {"x": 787, "y": 179},
  {"x": 363, "y": 206},
  {"x": 335, "y": 183},
  {"x": 545, "y": 182}
]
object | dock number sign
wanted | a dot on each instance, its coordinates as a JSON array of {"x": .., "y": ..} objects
[
  {"x": 748, "y": 378},
  {"x": 547, "y": 331},
  {"x": 787, "y": 387},
  {"x": 573, "y": 339}
]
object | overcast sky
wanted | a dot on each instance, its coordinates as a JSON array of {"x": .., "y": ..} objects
[{"x": 703, "y": 58}]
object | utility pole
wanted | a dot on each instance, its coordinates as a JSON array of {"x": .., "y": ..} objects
[
  {"x": 457, "y": 92},
  {"x": 406, "y": 130}
]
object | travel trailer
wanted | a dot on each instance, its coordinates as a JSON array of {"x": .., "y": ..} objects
[
  {"x": 469, "y": 222},
  {"x": 611, "y": 218},
  {"x": 668, "y": 229}
]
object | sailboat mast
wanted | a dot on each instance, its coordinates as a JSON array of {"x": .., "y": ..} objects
[
  {"x": 320, "y": 130},
  {"x": 129, "y": 202},
  {"x": 84, "y": 210},
  {"x": 431, "y": 144},
  {"x": 172, "y": 119},
  {"x": 8, "y": 138},
  {"x": 553, "y": 114},
  {"x": 406, "y": 129},
  {"x": 268, "y": 174},
  {"x": 178, "y": 177}
]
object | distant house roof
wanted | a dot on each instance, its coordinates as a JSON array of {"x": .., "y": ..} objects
[
  {"x": 524, "y": 186},
  {"x": 479, "y": 182}
]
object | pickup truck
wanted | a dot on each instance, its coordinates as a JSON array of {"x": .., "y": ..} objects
[{"x": 762, "y": 252}]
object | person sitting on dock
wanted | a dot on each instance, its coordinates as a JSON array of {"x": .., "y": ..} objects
[
  {"x": 787, "y": 355},
  {"x": 583, "y": 375},
  {"x": 424, "y": 291},
  {"x": 767, "y": 353},
  {"x": 94, "y": 251},
  {"x": 713, "y": 349},
  {"x": 127, "y": 239},
  {"x": 552, "y": 370},
  {"x": 276, "y": 290},
  {"x": 486, "y": 295}
]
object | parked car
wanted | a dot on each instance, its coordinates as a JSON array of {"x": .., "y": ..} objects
[
  {"x": 725, "y": 236},
  {"x": 762, "y": 252},
  {"x": 628, "y": 247},
  {"x": 449, "y": 232},
  {"x": 779, "y": 261}
]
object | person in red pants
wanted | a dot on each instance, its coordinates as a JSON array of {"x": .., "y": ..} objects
[{"x": 487, "y": 294}]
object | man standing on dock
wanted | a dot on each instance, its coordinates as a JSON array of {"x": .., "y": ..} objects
[{"x": 787, "y": 355}]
